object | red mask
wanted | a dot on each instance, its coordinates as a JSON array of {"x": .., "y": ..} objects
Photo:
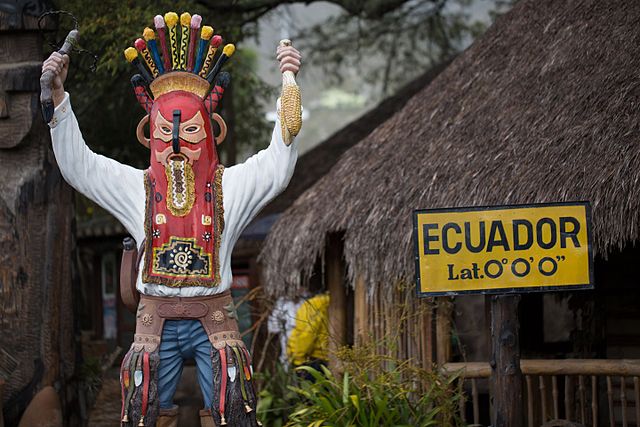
[
  {"x": 183, "y": 154},
  {"x": 184, "y": 211}
]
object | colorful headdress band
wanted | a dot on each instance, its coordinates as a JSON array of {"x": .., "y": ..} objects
[{"x": 186, "y": 62}]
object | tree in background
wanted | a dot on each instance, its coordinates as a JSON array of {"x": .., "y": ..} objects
[{"x": 387, "y": 47}]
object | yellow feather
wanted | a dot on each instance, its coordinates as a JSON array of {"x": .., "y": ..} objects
[
  {"x": 229, "y": 49},
  {"x": 171, "y": 18},
  {"x": 206, "y": 33},
  {"x": 185, "y": 19},
  {"x": 130, "y": 54},
  {"x": 148, "y": 34}
]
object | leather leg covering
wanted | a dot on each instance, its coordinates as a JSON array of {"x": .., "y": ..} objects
[
  {"x": 139, "y": 371},
  {"x": 168, "y": 417},
  {"x": 234, "y": 399}
]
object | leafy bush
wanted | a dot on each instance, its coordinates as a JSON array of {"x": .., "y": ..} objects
[
  {"x": 276, "y": 399},
  {"x": 373, "y": 391}
]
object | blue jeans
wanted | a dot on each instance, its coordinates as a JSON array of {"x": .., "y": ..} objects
[{"x": 184, "y": 339}]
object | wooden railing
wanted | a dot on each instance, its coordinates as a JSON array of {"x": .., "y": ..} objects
[{"x": 581, "y": 381}]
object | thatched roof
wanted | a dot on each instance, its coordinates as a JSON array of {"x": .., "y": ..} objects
[
  {"x": 315, "y": 163},
  {"x": 544, "y": 107}
]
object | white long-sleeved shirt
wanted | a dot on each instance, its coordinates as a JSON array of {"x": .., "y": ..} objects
[{"x": 119, "y": 188}]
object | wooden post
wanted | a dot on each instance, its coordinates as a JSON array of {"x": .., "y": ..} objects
[
  {"x": 426, "y": 332},
  {"x": 361, "y": 333},
  {"x": 506, "y": 376},
  {"x": 443, "y": 330},
  {"x": 338, "y": 300}
]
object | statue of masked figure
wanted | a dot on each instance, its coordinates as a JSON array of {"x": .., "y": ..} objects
[{"x": 185, "y": 212}]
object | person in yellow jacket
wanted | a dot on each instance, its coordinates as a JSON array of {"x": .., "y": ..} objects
[{"x": 309, "y": 341}]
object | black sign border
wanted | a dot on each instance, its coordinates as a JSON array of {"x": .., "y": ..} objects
[{"x": 496, "y": 291}]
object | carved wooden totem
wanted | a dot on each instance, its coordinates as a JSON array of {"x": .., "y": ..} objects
[{"x": 37, "y": 346}]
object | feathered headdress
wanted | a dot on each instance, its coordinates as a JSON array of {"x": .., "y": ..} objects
[{"x": 181, "y": 62}]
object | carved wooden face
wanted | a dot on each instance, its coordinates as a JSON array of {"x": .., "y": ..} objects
[
  {"x": 183, "y": 151},
  {"x": 181, "y": 129}
]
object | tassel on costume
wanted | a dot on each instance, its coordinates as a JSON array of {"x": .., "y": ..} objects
[
  {"x": 248, "y": 356},
  {"x": 133, "y": 360},
  {"x": 243, "y": 388},
  {"x": 223, "y": 384},
  {"x": 247, "y": 363},
  {"x": 145, "y": 387},
  {"x": 125, "y": 380}
]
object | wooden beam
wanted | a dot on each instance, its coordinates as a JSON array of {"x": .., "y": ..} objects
[
  {"x": 506, "y": 376},
  {"x": 559, "y": 367}
]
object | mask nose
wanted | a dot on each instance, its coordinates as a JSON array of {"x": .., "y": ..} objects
[{"x": 176, "y": 131}]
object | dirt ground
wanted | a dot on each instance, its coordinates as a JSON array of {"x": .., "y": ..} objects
[{"x": 106, "y": 412}]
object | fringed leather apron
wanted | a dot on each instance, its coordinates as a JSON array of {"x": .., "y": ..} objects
[{"x": 234, "y": 397}]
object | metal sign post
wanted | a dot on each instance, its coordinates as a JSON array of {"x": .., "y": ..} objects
[{"x": 505, "y": 251}]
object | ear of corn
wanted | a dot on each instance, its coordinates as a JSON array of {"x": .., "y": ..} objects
[{"x": 290, "y": 111}]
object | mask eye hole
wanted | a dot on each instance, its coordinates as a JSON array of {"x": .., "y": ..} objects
[
  {"x": 192, "y": 129},
  {"x": 165, "y": 129}
]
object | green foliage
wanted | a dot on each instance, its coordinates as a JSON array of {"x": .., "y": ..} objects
[
  {"x": 374, "y": 390},
  {"x": 91, "y": 374},
  {"x": 276, "y": 399}
]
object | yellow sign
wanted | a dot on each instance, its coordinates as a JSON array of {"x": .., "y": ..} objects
[{"x": 503, "y": 249}]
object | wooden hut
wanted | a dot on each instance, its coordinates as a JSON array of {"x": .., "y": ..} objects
[{"x": 542, "y": 108}]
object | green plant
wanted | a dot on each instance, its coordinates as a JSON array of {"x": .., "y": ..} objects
[
  {"x": 276, "y": 399},
  {"x": 91, "y": 373},
  {"x": 373, "y": 391}
]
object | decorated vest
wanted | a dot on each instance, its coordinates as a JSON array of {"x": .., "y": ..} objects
[{"x": 180, "y": 90}]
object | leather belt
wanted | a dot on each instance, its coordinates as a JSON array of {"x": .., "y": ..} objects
[{"x": 216, "y": 313}]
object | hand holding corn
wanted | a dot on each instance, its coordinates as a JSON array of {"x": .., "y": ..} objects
[{"x": 290, "y": 100}]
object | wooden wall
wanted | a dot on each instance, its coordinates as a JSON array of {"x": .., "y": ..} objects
[{"x": 399, "y": 323}]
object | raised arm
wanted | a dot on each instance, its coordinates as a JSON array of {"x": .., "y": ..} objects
[
  {"x": 248, "y": 187},
  {"x": 116, "y": 187}
]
